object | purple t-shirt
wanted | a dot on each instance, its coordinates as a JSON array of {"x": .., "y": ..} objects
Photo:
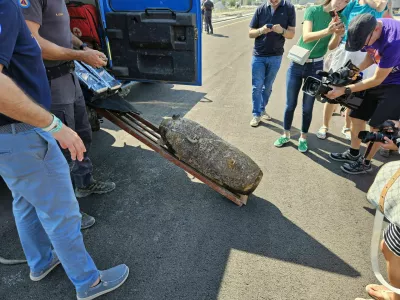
[{"x": 386, "y": 50}]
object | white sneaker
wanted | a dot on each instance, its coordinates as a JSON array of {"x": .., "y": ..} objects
[
  {"x": 255, "y": 121},
  {"x": 266, "y": 116}
]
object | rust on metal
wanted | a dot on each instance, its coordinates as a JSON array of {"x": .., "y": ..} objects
[{"x": 148, "y": 134}]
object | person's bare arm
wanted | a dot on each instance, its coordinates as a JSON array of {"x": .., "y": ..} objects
[
  {"x": 367, "y": 62},
  {"x": 51, "y": 51},
  {"x": 287, "y": 33},
  {"x": 378, "y": 5},
  {"x": 290, "y": 33},
  {"x": 256, "y": 32},
  {"x": 335, "y": 41},
  {"x": 337, "y": 36},
  {"x": 379, "y": 76},
  {"x": 16, "y": 105},
  {"x": 76, "y": 42},
  {"x": 310, "y": 36}
]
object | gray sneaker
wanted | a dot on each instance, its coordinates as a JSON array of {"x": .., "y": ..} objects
[
  {"x": 255, "y": 121},
  {"x": 36, "y": 276},
  {"x": 345, "y": 156},
  {"x": 110, "y": 280},
  {"x": 357, "y": 167},
  {"x": 87, "y": 221},
  {"x": 97, "y": 187},
  {"x": 265, "y": 116}
]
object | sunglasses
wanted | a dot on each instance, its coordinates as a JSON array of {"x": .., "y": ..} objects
[{"x": 366, "y": 46}]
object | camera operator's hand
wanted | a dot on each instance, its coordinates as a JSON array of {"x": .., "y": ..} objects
[
  {"x": 335, "y": 92},
  {"x": 389, "y": 144},
  {"x": 277, "y": 28}
]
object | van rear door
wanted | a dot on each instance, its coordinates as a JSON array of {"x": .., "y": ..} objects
[{"x": 153, "y": 40}]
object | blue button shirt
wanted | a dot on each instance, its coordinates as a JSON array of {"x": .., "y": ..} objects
[
  {"x": 21, "y": 56},
  {"x": 271, "y": 44}
]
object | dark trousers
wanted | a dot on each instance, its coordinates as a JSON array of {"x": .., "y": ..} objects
[
  {"x": 209, "y": 27},
  {"x": 295, "y": 77},
  {"x": 69, "y": 106}
]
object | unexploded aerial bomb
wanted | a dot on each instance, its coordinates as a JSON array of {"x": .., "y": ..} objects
[{"x": 209, "y": 154}]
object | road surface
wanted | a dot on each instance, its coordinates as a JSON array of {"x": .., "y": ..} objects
[{"x": 305, "y": 233}]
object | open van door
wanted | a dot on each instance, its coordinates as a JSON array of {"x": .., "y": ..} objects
[{"x": 153, "y": 40}]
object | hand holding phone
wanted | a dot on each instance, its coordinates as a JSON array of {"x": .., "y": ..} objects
[{"x": 269, "y": 26}]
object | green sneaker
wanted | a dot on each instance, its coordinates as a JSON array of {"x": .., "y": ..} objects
[
  {"x": 281, "y": 141},
  {"x": 303, "y": 147}
]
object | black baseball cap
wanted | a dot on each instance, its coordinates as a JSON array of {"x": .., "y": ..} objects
[{"x": 359, "y": 29}]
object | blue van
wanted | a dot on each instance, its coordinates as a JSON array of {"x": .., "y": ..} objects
[{"x": 152, "y": 40}]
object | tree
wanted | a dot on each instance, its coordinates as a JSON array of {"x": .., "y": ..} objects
[{"x": 232, "y": 3}]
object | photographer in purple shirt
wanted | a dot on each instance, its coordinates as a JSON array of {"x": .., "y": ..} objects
[{"x": 380, "y": 38}]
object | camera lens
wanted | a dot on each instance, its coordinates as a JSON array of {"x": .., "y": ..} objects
[
  {"x": 311, "y": 86},
  {"x": 314, "y": 87}
]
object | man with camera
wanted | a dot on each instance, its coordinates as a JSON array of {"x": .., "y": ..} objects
[{"x": 380, "y": 38}]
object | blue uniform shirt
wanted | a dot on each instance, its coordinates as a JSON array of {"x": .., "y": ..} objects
[
  {"x": 271, "y": 44},
  {"x": 21, "y": 56}
]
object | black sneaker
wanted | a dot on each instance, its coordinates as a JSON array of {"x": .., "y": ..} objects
[
  {"x": 357, "y": 167},
  {"x": 87, "y": 221},
  {"x": 97, "y": 187},
  {"x": 345, "y": 156}
]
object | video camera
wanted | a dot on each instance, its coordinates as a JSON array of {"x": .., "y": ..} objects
[
  {"x": 387, "y": 129},
  {"x": 343, "y": 76}
]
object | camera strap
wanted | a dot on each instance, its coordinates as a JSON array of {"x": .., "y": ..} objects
[
  {"x": 314, "y": 46},
  {"x": 298, "y": 42}
]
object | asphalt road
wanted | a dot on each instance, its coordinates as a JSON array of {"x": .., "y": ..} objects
[{"x": 305, "y": 233}]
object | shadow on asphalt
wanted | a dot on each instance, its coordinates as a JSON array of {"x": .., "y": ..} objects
[
  {"x": 160, "y": 100},
  {"x": 319, "y": 152},
  {"x": 176, "y": 234},
  {"x": 372, "y": 212},
  {"x": 219, "y": 35}
]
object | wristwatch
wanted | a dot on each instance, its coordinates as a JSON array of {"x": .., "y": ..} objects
[
  {"x": 83, "y": 46},
  {"x": 347, "y": 91}
]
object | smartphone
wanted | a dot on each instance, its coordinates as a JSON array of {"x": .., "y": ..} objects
[{"x": 269, "y": 26}]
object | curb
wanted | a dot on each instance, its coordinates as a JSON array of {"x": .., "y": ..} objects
[{"x": 238, "y": 16}]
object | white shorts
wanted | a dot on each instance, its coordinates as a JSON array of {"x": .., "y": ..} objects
[{"x": 340, "y": 56}]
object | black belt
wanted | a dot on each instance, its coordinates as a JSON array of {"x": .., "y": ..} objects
[{"x": 61, "y": 70}]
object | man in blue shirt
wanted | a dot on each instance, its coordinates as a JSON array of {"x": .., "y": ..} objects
[
  {"x": 31, "y": 163},
  {"x": 272, "y": 23}
]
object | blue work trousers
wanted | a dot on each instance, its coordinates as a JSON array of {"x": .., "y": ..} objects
[
  {"x": 45, "y": 208},
  {"x": 264, "y": 70}
]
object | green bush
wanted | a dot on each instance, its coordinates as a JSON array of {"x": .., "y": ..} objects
[{"x": 232, "y": 3}]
